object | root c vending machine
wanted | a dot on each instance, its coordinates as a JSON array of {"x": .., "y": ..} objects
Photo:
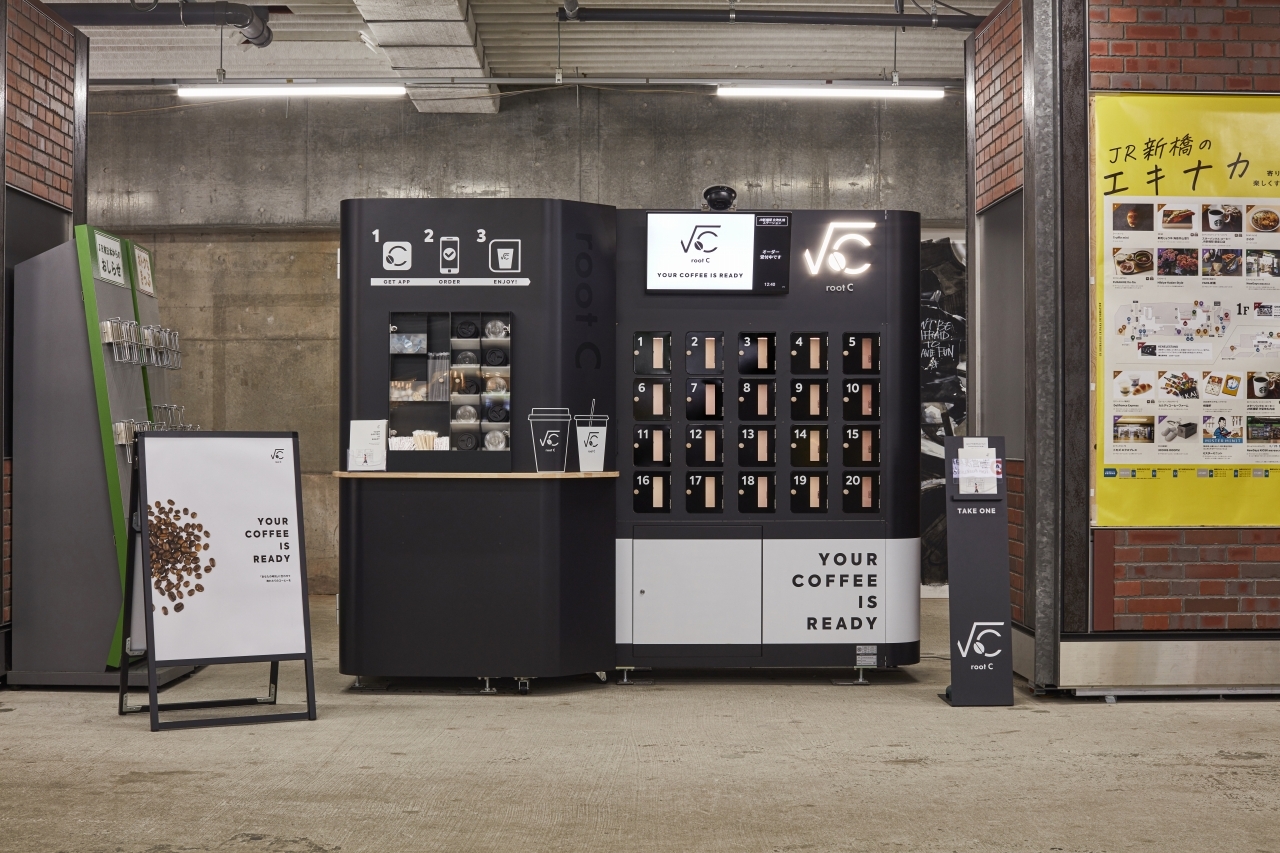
[{"x": 768, "y": 408}]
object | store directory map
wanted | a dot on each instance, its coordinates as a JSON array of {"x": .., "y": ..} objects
[{"x": 1187, "y": 287}]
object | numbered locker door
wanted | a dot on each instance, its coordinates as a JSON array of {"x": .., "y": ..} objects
[{"x": 697, "y": 592}]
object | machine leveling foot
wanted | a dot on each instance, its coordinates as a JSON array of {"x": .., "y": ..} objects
[
  {"x": 862, "y": 680},
  {"x": 626, "y": 682},
  {"x": 487, "y": 690}
]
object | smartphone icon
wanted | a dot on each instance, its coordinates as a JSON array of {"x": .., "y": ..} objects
[{"x": 449, "y": 248}]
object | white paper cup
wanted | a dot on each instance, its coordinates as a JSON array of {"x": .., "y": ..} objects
[{"x": 593, "y": 431}]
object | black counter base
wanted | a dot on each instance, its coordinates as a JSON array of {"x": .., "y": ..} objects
[
  {"x": 763, "y": 656},
  {"x": 483, "y": 578}
]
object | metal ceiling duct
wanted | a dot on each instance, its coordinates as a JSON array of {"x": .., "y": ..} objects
[
  {"x": 251, "y": 21},
  {"x": 571, "y": 11}
]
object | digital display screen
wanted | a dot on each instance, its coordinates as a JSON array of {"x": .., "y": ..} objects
[{"x": 719, "y": 252}]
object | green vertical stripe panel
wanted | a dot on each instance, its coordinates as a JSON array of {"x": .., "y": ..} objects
[{"x": 84, "y": 250}]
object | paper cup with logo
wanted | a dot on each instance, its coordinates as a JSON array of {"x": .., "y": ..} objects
[
  {"x": 550, "y": 438},
  {"x": 592, "y": 432},
  {"x": 506, "y": 257}
]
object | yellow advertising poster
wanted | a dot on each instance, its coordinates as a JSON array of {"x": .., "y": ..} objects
[{"x": 1187, "y": 310}]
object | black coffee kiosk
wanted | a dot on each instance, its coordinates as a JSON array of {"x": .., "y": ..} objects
[
  {"x": 768, "y": 387},
  {"x": 722, "y": 470},
  {"x": 482, "y": 333}
]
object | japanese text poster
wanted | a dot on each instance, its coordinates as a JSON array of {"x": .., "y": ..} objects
[{"x": 1187, "y": 292}]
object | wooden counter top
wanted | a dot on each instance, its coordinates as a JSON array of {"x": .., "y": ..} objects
[{"x": 474, "y": 475}]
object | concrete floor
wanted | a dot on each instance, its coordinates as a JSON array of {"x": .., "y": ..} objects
[{"x": 696, "y": 762}]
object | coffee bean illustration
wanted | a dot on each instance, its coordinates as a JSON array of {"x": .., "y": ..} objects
[{"x": 177, "y": 546}]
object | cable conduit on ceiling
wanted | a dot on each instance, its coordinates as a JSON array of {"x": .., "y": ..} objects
[
  {"x": 571, "y": 11},
  {"x": 251, "y": 21}
]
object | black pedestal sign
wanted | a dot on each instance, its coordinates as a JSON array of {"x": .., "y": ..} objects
[{"x": 978, "y": 569}]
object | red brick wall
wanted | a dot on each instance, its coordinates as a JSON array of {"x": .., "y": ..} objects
[
  {"x": 1197, "y": 579},
  {"x": 1185, "y": 45},
  {"x": 1014, "y": 471},
  {"x": 997, "y": 60},
  {"x": 40, "y": 114}
]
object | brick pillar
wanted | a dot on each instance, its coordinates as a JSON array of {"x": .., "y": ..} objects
[
  {"x": 1014, "y": 472},
  {"x": 1223, "y": 45},
  {"x": 1198, "y": 579}
]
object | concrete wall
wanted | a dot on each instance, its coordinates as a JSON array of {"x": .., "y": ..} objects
[
  {"x": 240, "y": 203},
  {"x": 268, "y": 163}
]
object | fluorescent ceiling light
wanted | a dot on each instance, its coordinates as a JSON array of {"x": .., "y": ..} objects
[
  {"x": 290, "y": 91},
  {"x": 887, "y": 92}
]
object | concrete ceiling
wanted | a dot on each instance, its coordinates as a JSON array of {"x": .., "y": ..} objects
[{"x": 518, "y": 38}]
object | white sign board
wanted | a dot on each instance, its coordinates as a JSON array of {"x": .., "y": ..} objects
[
  {"x": 108, "y": 258},
  {"x": 700, "y": 251},
  {"x": 367, "y": 449},
  {"x": 142, "y": 263},
  {"x": 223, "y": 564}
]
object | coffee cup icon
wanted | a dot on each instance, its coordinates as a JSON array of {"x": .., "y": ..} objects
[
  {"x": 592, "y": 434},
  {"x": 504, "y": 256},
  {"x": 550, "y": 438},
  {"x": 1215, "y": 215}
]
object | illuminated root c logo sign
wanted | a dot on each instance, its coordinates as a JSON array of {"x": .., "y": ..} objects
[{"x": 836, "y": 260}]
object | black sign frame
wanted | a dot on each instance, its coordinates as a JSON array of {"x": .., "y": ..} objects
[{"x": 139, "y": 538}]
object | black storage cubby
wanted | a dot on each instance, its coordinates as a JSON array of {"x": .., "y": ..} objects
[
  {"x": 757, "y": 399},
  {"x": 808, "y": 491},
  {"x": 757, "y": 445},
  {"x": 442, "y": 385},
  {"x": 808, "y": 399},
  {"x": 704, "y": 491},
  {"x": 757, "y": 492},
  {"x": 651, "y": 491},
  {"x": 652, "y": 446},
  {"x": 704, "y": 445},
  {"x": 860, "y": 353},
  {"x": 809, "y": 446},
  {"x": 704, "y": 399},
  {"x": 808, "y": 353},
  {"x": 704, "y": 353},
  {"x": 757, "y": 353},
  {"x": 860, "y": 491},
  {"x": 860, "y": 399},
  {"x": 651, "y": 399},
  {"x": 651, "y": 353},
  {"x": 861, "y": 444}
]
